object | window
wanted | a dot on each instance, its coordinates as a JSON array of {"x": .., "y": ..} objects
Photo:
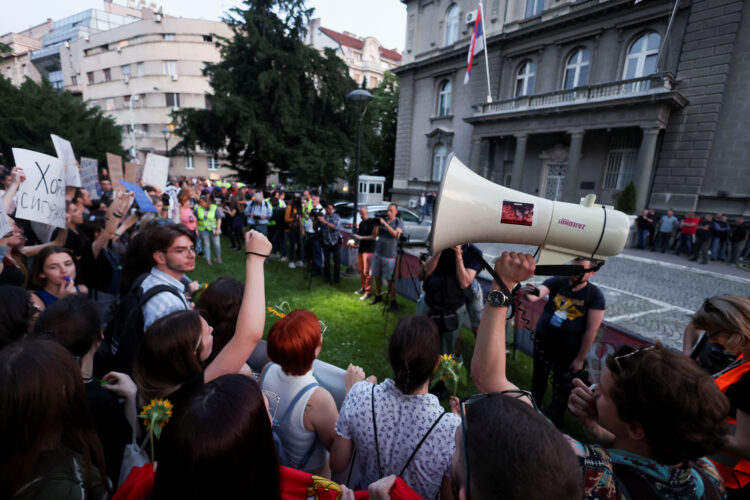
[
  {"x": 173, "y": 100},
  {"x": 208, "y": 38},
  {"x": 107, "y": 74},
  {"x": 212, "y": 163},
  {"x": 109, "y": 104},
  {"x": 122, "y": 43},
  {"x": 90, "y": 77},
  {"x": 125, "y": 70},
  {"x": 140, "y": 69},
  {"x": 534, "y": 7},
  {"x": 170, "y": 67},
  {"x": 451, "y": 24},
  {"x": 407, "y": 216},
  {"x": 577, "y": 69},
  {"x": 168, "y": 36},
  {"x": 444, "y": 98},
  {"x": 621, "y": 162},
  {"x": 74, "y": 80},
  {"x": 144, "y": 127},
  {"x": 373, "y": 82},
  {"x": 642, "y": 55},
  {"x": 438, "y": 161},
  {"x": 189, "y": 163},
  {"x": 525, "y": 78},
  {"x": 207, "y": 104}
]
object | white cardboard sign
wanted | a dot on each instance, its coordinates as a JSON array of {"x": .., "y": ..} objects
[
  {"x": 155, "y": 171},
  {"x": 41, "y": 197},
  {"x": 65, "y": 152},
  {"x": 89, "y": 175}
]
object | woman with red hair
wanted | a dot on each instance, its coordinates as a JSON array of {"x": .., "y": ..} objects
[{"x": 306, "y": 415}]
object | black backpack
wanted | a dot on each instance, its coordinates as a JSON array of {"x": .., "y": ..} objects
[{"x": 125, "y": 329}]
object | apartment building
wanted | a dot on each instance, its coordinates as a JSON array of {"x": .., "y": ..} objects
[
  {"x": 586, "y": 96},
  {"x": 366, "y": 58}
]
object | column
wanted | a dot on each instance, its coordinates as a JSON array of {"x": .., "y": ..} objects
[
  {"x": 570, "y": 192},
  {"x": 517, "y": 173},
  {"x": 645, "y": 167}
]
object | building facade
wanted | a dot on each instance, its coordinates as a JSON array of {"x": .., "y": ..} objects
[
  {"x": 366, "y": 58},
  {"x": 139, "y": 73},
  {"x": 586, "y": 96}
]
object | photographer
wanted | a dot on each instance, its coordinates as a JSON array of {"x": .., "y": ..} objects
[
  {"x": 312, "y": 211},
  {"x": 386, "y": 249},
  {"x": 564, "y": 335},
  {"x": 446, "y": 274},
  {"x": 330, "y": 240}
]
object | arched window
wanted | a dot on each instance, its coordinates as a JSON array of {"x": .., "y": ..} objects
[
  {"x": 439, "y": 153},
  {"x": 642, "y": 55},
  {"x": 525, "y": 78},
  {"x": 577, "y": 69},
  {"x": 444, "y": 98},
  {"x": 451, "y": 25}
]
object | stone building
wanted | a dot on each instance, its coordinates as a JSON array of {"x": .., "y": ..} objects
[
  {"x": 366, "y": 58},
  {"x": 586, "y": 96}
]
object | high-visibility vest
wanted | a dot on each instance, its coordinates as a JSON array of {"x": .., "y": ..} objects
[
  {"x": 735, "y": 471},
  {"x": 206, "y": 220}
]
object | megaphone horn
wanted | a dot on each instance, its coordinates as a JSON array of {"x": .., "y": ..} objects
[{"x": 471, "y": 209}]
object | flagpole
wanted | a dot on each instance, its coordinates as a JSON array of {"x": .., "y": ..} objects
[
  {"x": 486, "y": 56},
  {"x": 666, "y": 35}
]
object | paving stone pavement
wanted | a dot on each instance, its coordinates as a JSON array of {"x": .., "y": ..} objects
[{"x": 653, "y": 296}]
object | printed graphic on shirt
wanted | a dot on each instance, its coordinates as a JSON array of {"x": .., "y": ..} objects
[{"x": 568, "y": 306}]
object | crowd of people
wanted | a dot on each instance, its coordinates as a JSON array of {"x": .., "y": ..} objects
[
  {"x": 102, "y": 321},
  {"x": 698, "y": 238}
]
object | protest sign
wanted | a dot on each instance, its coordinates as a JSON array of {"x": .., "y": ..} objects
[
  {"x": 5, "y": 226},
  {"x": 89, "y": 175},
  {"x": 64, "y": 151},
  {"x": 132, "y": 172},
  {"x": 114, "y": 163},
  {"x": 155, "y": 171},
  {"x": 41, "y": 197},
  {"x": 143, "y": 200}
]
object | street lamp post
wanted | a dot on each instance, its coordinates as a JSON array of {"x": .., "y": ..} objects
[
  {"x": 133, "y": 149},
  {"x": 167, "y": 133},
  {"x": 362, "y": 98}
]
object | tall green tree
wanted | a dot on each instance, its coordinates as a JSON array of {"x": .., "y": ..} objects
[
  {"x": 275, "y": 101},
  {"x": 31, "y": 112},
  {"x": 379, "y": 130}
]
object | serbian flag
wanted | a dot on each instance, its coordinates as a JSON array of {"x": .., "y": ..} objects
[{"x": 477, "y": 43}]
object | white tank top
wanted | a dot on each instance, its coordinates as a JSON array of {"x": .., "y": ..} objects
[{"x": 297, "y": 440}]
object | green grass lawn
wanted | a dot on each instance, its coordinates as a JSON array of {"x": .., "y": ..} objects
[{"x": 357, "y": 332}]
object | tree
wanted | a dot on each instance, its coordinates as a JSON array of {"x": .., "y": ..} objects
[
  {"x": 275, "y": 101},
  {"x": 379, "y": 130},
  {"x": 33, "y": 111}
]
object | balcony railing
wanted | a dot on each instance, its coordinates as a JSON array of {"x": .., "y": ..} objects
[{"x": 622, "y": 89}]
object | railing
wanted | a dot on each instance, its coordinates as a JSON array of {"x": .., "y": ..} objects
[{"x": 621, "y": 89}]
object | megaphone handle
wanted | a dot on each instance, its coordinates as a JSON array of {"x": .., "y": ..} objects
[
  {"x": 559, "y": 270},
  {"x": 508, "y": 293}
]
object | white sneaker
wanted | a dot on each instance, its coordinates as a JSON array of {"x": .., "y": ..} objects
[
  {"x": 292, "y": 266},
  {"x": 300, "y": 263},
  {"x": 283, "y": 259}
]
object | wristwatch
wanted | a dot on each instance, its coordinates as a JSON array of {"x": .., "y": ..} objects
[{"x": 496, "y": 298}]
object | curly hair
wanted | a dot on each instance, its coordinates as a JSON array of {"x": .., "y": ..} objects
[{"x": 679, "y": 406}]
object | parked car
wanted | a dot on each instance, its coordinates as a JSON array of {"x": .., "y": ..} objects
[{"x": 417, "y": 231}]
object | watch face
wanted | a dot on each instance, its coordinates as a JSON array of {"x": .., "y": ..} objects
[{"x": 497, "y": 298}]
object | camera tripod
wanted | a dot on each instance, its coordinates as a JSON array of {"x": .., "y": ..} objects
[{"x": 397, "y": 274}]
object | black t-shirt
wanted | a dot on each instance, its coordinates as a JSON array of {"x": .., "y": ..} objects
[
  {"x": 111, "y": 425},
  {"x": 739, "y": 233},
  {"x": 739, "y": 396},
  {"x": 441, "y": 287},
  {"x": 366, "y": 228},
  {"x": 12, "y": 275},
  {"x": 705, "y": 230},
  {"x": 563, "y": 322},
  {"x": 643, "y": 223}
]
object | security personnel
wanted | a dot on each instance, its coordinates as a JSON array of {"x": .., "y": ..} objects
[{"x": 209, "y": 227}]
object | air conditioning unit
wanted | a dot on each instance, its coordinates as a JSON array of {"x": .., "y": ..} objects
[
  {"x": 471, "y": 16},
  {"x": 119, "y": 49},
  {"x": 157, "y": 18},
  {"x": 174, "y": 78},
  {"x": 126, "y": 78},
  {"x": 67, "y": 45}
]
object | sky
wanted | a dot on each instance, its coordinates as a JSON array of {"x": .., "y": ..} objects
[{"x": 383, "y": 19}]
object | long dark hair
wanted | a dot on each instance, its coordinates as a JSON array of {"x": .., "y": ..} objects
[
  {"x": 219, "y": 445},
  {"x": 16, "y": 311},
  {"x": 413, "y": 351},
  {"x": 35, "y": 280},
  {"x": 43, "y": 406},
  {"x": 220, "y": 305}
]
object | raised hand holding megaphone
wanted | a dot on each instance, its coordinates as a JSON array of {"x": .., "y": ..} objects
[{"x": 471, "y": 209}]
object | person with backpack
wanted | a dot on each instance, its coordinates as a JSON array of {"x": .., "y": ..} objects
[
  {"x": 307, "y": 413},
  {"x": 654, "y": 416},
  {"x": 397, "y": 427},
  {"x": 564, "y": 335}
]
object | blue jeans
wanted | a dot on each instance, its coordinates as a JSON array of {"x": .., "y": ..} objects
[
  {"x": 686, "y": 242},
  {"x": 312, "y": 242},
  {"x": 642, "y": 238},
  {"x": 294, "y": 245},
  {"x": 211, "y": 239},
  {"x": 718, "y": 248}
]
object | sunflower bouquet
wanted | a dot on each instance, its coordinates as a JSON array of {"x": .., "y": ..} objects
[
  {"x": 280, "y": 310},
  {"x": 450, "y": 372},
  {"x": 155, "y": 415}
]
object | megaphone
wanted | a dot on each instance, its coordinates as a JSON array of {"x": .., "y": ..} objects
[{"x": 471, "y": 209}]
